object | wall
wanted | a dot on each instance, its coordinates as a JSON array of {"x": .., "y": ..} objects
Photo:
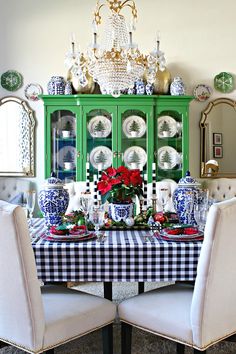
[{"x": 197, "y": 38}]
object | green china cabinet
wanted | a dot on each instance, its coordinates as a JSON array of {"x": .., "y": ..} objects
[{"x": 135, "y": 131}]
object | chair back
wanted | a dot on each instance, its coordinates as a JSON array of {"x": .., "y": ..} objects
[
  {"x": 21, "y": 308},
  {"x": 213, "y": 310}
]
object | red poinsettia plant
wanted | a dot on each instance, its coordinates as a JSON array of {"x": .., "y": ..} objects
[{"x": 120, "y": 185}]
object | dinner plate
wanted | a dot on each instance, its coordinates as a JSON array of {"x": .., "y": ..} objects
[
  {"x": 202, "y": 92},
  {"x": 165, "y": 233},
  {"x": 11, "y": 80},
  {"x": 62, "y": 123},
  {"x": 168, "y": 157},
  {"x": 66, "y": 154},
  {"x": 134, "y": 127},
  {"x": 32, "y": 91},
  {"x": 135, "y": 155},
  {"x": 99, "y": 127},
  {"x": 101, "y": 155},
  {"x": 167, "y": 127},
  {"x": 71, "y": 238}
]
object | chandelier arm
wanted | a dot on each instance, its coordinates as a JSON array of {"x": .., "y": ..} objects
[
  {"x": 97, "y": 16},
  {"x": 133, "y": 7}
]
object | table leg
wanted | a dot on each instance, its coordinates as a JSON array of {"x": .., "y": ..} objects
[
  {"x": 141, "y": 287},
  {"x": 107, "y": 286},
  {"x": 107, "y": 338}
]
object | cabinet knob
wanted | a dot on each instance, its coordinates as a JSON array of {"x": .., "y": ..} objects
[
  {"x": 78, "y": 153},
  {"x": 120, "y": 155},
  {"x": 114, "y": 154}
]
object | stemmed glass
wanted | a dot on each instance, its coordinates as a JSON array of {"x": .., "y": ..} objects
[
  {"x": 96, "y": 216},
  {"x": 164, "y": 196},
  {"x": 190, "y": 197},
  {"x": 85, "y": 202},
  {"x": 30, "y": 197},
  {"x": 200, "y": 215}
]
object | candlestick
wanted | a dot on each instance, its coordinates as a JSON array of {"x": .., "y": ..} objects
[
  {"x": 95, "y": 189},
  {"x": 87, "y": 178},
  {"x": 145, "y": 192},
  {"x": 154, "y": 179}
]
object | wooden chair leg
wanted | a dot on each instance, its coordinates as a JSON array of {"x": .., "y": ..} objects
[
  {"x": 196, "y": 351},
  {"x": 107, "y": 339},
  {"x": 50, "y": 351},
  {"x": 126, "y": 338},
  {"x": 180, "y": 348}
]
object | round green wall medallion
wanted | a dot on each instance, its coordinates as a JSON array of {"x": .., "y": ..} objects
[
  {"x": 11, "y": 80},
  {"x": 224, "y": 82}
]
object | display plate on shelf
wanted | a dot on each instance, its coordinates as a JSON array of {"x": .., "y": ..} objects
[
  {"x": 134, "y": 127},
  {"x": 32, "y": 91},
  {"x": 168, "y": 158},
  {"x": 224, "y": 82},
  {"x": 11, "y": 80},
  {"x": 101, "y": 155},
  {"x": 135, "y": 155},
  {"x": 66, "y": 154},
  {"x": 202, "y": 92},
  {"x": 167, "y": 127},
  {"x": 99, "y": 127},
  {"x": 63, "y": 123}
]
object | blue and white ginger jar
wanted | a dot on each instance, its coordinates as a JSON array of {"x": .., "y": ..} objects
[
  {"x": 177, "y": 87},
  {"x": 53, "y": 201},
  {"x": 185, "y": 197},
  {"x": 140, "y": 87},
  {"x": 56, "y": 85}
]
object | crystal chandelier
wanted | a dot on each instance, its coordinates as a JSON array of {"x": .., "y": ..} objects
[{"x": 116, "y": 64}]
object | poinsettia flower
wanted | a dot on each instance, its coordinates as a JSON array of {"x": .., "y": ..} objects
[{"x": 111, "y": 171}]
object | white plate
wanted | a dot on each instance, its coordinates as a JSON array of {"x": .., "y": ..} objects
[
  {"x": 167, "y": 127},
  {"x": 71, "y": 238},
  {"x": 62, "y": 121},
  {"x": 139, "y": 125},
  {"x": 182, "y": 236},
  {"x": 101, "y": 152},
  {"x": 168, "y": 158},
  {"x": 66, "y": 151},
  {"x": 135, "y": 155},
  {"x": 202, "y": 92},
  {"x": 99, "y": 127},
  {"x": 32, "y": 91}
]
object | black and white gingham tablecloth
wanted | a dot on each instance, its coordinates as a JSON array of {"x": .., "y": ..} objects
[{"x": 125, "y": 256}]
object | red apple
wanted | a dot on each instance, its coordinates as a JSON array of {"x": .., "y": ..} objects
[{"x": 159, "y": 217}]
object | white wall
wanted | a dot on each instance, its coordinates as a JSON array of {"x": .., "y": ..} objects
[{"x": 198, "y": 38}]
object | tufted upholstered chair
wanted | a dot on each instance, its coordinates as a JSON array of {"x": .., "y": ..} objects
[
  {"x": 201, "y": 316},
  {"x": 221, "y": 188},
  {"x": 37, "y": 319},
  {"x": 12, "y": 189}
]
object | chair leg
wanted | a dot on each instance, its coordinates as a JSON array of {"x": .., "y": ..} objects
[
  {"x": 126, "y": 338},
  {"x": 180, "y": 348},
  {"x": 107, "y": 339},
  {"x": 196, "y": 351},
  {"x": 50, "y": 351}
]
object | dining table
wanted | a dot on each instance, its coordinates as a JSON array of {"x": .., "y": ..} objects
[{"x": 121, "y": 255}]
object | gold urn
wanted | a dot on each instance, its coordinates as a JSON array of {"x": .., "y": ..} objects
[
  {"x": 88, "y": 88},
  {"x": 162, "y": 82}
]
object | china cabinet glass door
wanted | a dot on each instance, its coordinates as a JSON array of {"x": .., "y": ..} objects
[
  {"x": 62, "y": 144},
  {"x": 134, "y": 127},
  {"x": 99, "y": 138},
  {"x": 169, "y": 144}
]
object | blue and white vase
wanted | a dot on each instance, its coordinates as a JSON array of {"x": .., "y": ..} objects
[
  {"x": 53, "y": 201},
  {"x": 131, "y": 91},
  {"x": 56, "y": 85},
  {"x": 185, "y": 197},
  {"x": 120, "y": 212},
  {"x": 140, "y": 87},
  {"x": 149, "y": 89},
  {"x": 177, "y": 87},
  {"x": 68, "y": 88}
]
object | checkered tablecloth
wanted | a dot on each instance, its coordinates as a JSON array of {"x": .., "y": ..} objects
[{"x": 124, "y": 256}]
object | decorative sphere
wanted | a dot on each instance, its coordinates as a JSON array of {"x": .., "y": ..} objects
[{"x": 129, "y": 221}]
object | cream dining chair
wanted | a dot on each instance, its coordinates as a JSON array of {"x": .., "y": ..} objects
[
  {"x": 201, "y": 316},
  {"x": 38, "y": 319}
]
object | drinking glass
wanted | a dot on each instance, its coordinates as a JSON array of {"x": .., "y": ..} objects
[
  {"x": 190, "y": 198},
  {"x": 200, "y": 215},
  {"x": 164, "y": 197},
  {"x": 85, "y": 202},
  {"x": 96, "y": 216},
  {"x": 203, "y": 196},
  {"x": 30, "y": 197}
]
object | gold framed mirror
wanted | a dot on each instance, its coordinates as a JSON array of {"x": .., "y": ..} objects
[
  {"x": 16, "y": 138},
  {"x": 218, "y": 139}
]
